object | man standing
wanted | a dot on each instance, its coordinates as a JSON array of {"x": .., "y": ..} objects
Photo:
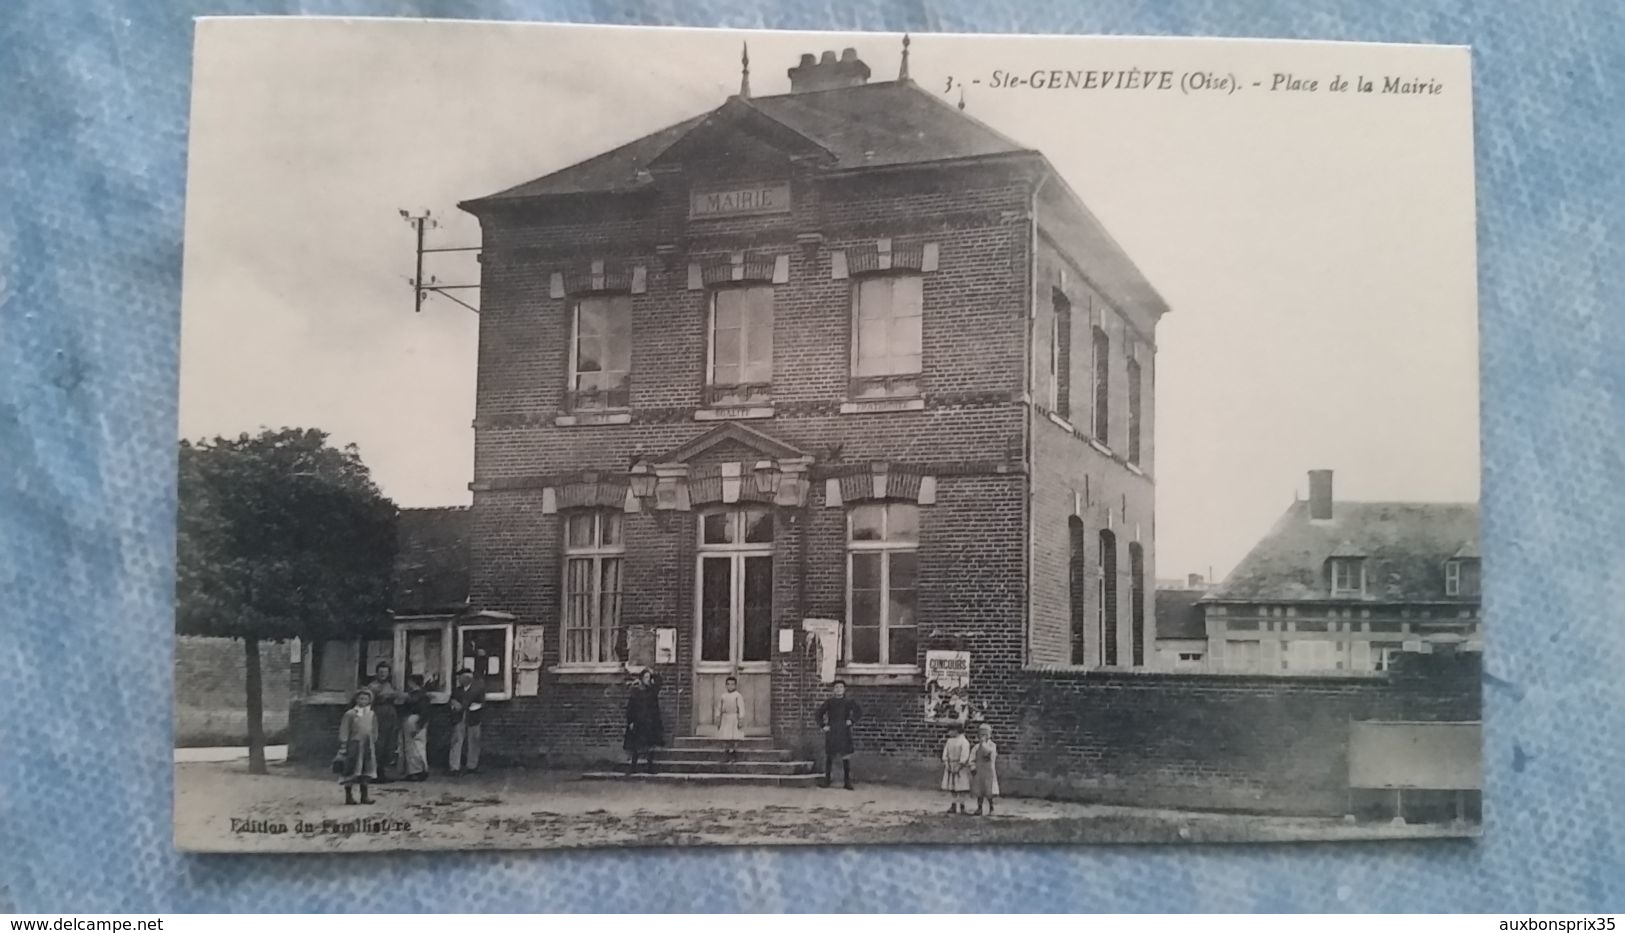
[
  {"x": 467, "y": 707},
  {"x": 836, "y": 716}
]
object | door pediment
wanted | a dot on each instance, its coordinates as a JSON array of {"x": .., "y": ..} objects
[{"x": 733, "y": 437}]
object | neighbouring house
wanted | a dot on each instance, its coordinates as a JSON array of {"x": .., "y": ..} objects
[
  {"x": 1338, "y": 586},
  {"x": 1181, "y": 624}
]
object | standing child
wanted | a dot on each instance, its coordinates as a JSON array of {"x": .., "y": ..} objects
[
  {"x": 357, "y": 760},
  {"x": 836, "y": 716},
  {"x": 984, "y": 769},
  {"x": 730, "y": 716},
  {"x": 956, "y": 760}
]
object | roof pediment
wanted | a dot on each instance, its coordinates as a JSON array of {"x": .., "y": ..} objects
[
  {"x": 733, "y": 434},
  {"x": 738, "y": 134}
]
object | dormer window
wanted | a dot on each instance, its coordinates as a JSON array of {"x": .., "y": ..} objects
[
  {"x": 1348, "y": 576},
  {"x": 1461, "y": 576}
]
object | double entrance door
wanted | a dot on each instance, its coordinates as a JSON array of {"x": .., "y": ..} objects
[{"x": 734, "y": 616}]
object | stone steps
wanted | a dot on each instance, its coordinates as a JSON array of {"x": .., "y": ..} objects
[
  {"x": 707, "y": 741},
  {"x": 698, "y": 753},
  {"x": 700, "y": 760},
  {"x": 708, "y": 778}
]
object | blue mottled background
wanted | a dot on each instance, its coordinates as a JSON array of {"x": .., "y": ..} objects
[{"x": 93, "y": 111}]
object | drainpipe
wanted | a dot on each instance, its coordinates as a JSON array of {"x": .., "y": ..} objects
[
  {"x": 804, "y": 521},
  {"x": 1027, "y": 414}
]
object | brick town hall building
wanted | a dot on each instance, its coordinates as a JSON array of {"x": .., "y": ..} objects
[{"x": 842, "y": 354}]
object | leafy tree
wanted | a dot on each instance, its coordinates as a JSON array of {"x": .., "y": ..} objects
[{"x": 279, "y": 535}]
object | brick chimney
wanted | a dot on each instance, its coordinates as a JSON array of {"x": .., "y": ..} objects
[
  {"x": 1320, "y": 495},
  {"x": 827, "y": 72},
  {"x": 1195, "y": 581}
]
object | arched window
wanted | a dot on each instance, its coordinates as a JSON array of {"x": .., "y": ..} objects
[
  {"x": 1076, "y": 568},
  {"x": 593, "y": 555},
  {"x": 1102, "y": 370},
  {"x": 1136, "y": 570},
  {"x": 1106, "y": 606}
]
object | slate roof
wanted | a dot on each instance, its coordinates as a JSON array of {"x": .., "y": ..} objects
[
  {"x": 431, "y": 561},
  {"x": 1405, "y": 546},
  {"x": 883, "y": 123},
  {"x": 1179, "y": 615}
]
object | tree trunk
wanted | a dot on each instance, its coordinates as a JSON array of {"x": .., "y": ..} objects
[{"x": 256, "y": 707}]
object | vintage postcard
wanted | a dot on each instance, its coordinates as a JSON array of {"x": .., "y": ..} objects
[{"x": 621, "y": 436}]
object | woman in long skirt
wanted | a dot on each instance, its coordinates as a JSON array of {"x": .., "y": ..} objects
[
  {"x": 415, "y": 730},
  {"x": 357, "y": 759},
  {"x": 645, "y": 729}
]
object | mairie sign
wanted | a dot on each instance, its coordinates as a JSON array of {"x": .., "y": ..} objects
[{"x": 740, "y": 200}]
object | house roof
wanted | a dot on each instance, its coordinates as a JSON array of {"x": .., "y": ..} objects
[
  {"x": 1404, "y": 544},
  {"x": 431, "y": 561},
  {"x": 1179, "y": 614},
  {"x": 885, "y": 123}
]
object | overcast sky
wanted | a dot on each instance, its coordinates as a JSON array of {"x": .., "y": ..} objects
[{"x": 1316, "y": 250}]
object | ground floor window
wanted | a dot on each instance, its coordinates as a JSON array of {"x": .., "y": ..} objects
[
  {"x": 1309, "y": 655},
  {"x": 882, "y": 572},
  {"x": 1244, "y": 656},
  {"x": 593, "y": 561},
  {"x": 337, "y": 668}
]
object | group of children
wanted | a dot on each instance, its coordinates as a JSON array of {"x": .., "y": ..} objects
[
  {"x": 970, "y": 769},
  {"x": 386, "y": 730}
]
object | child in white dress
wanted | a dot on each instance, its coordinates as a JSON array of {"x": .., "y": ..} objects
[
  {"x": 730, "y": 717},
  {"x": 956, "y": 759}
]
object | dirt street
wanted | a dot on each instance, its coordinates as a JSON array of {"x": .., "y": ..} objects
[{"x": 221, "y": 807}]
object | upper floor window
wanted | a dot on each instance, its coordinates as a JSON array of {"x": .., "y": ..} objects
[
  {"x": 600, "y": 352},
  {"x": 1060, "y": 357},
  {"x": 1348, "y": 576},
  {"x": 1101, "y": 367},
  {"x": 1134, "y": 414},
  {"x": 740, "y": 366},
  {"x": 593, "y": 559},
  {"x": 1461, "y": 577},
  {"x": 883, "y": 540},
  {"x": 886, "y": 335}
]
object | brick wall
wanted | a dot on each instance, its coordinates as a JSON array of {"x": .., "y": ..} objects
[{"x": 1214, "y": 741}]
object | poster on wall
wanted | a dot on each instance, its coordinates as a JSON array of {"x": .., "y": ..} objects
[
  {"x": 528, "y": 641},
  {"x": 947, "y": 686}
]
